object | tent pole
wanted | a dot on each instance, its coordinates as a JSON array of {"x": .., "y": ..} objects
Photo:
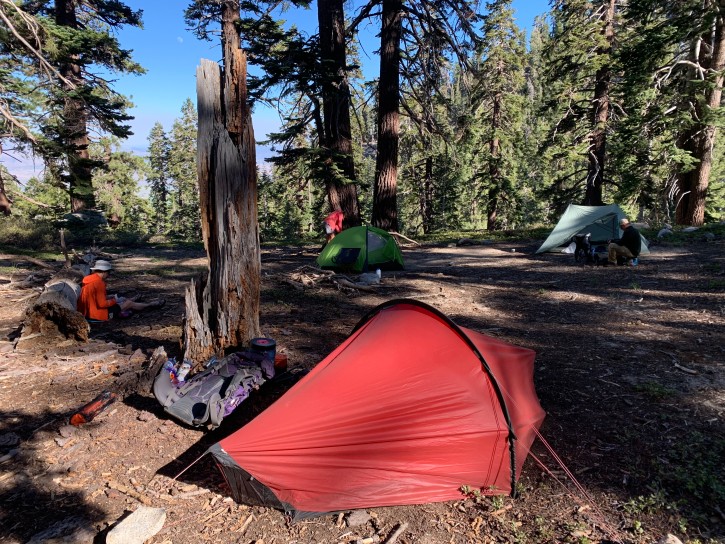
[{"x": 365, "y": 264}]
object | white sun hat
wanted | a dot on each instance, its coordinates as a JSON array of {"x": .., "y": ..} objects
[{"x": 103, "y": 266}]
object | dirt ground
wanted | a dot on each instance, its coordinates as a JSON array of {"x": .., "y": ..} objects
[{"x": 629, "y": 369}]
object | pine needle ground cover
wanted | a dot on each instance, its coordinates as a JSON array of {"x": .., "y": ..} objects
[{"x": 628, "y": 368}]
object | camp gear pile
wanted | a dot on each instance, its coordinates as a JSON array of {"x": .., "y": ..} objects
[
  {"x": 600, "y": 222},
  {"x": 209, "y": 396}
]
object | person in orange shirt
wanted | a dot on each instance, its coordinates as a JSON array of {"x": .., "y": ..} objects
[
  {"x": 333, "y": 224},
  {"x": 95, "y": 304}
]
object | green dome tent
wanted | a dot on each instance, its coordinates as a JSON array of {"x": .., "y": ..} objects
[
  {"x": 601, "y": 221},
  {"x": 359, "y": 249}
]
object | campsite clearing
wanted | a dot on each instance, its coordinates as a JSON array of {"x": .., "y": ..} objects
[{"x": 629, "y": 369}]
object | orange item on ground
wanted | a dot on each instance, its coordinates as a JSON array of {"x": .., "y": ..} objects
[
  {"x": 280, "y": 362},
  {"x": 93, "y": 408}
]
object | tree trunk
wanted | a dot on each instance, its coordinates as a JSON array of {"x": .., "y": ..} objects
[
  {"x": 600, "y": 118},
  {"x": 693, "y": 184},
  {"x": 5, "y": 205},
  {"x": 385, "y": 207},
  {"x": 75, "y": 116},
  {"x": 222, "y": 309},
  {"x": 494, "y": 166},
  {"x": 337, "y": 132},
  {"x": 426, "y": 199}
]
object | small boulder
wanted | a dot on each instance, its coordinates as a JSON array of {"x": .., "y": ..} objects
[
  {"x": 669, "y": 539},
  {"x": 138, "y": 527},
  {"x": 137, "y": 357},
  {"x": 357, "y": 518}
]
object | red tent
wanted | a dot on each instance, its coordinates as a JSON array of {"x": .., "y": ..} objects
[{"x": 405, "y": 411}]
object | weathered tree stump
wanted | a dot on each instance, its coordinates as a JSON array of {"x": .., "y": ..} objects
[
  {"x": 222, "y": 309},
  {"x": 140, "y": 380}
]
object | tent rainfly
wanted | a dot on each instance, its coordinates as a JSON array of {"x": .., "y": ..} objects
[
  {"x": 359, "y": 249},
  {"x": 601, "y": 221},
  {"x": 405, "y": 411}
]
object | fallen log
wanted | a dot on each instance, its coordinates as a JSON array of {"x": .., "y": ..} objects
[
  {"x": 54, "y": 311},
  {"x": 27, "y": 259}
]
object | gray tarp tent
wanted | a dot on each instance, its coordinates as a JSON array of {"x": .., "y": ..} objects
[{"x": 601, "y": 221}]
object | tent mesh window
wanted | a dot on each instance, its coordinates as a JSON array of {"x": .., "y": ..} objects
[{"x": 347, "y": 255}]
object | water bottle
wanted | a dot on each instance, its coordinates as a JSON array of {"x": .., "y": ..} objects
[
  {"x": 184, "y": 369},
  {"x": 170, "y": 367}
]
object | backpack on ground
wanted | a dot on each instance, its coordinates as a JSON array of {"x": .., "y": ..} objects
[
  {"x": 583, "y": 251},
  {"x": 209, "y": 396}
]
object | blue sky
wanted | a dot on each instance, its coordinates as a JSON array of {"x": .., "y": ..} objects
[{"x": 171, "y": 54}]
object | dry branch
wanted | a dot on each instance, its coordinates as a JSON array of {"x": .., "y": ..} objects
[
  {"x": 342, "y": 282},
  {"x": 307, "y": 277},
  {"x": 130, "y": 492},
  {"x": 398, "y": 235},
  {"x": 28, "y": 259},
  {"x": 685, "y": 369},
  {"x": 399, "y": 531}
]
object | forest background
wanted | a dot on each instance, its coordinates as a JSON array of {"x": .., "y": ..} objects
[{"x": 605, "y": 101}]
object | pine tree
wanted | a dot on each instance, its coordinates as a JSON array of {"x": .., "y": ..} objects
[
  {"x": 385, "y": 208},
  {"x": 499, "y": 97},
  {"x": 535, "y": 173},
  {"x": 84, "y": 47},
  {"x": 336, "y": 138},
  {"x": 159, "y": 150},
  {"x": 117, "y": 188},
  {"x": 185, "y": 215},
  {"x": 578, "y": 89},
  {"x": 25, "y": 73},
  {"x": 681, "y": 52},
  {"x": 308, "y": 79}
]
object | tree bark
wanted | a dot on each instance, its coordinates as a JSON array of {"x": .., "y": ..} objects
[
  {"x": 75, "y": 116},
  {"x": 337, "y": 132},
  {"x": 494, "y": 166},
  {"x": 600, "y": 118},
  {"x": 426, "y": 198},
  {"x": 385, "y": 207},
  {"x": 5, "y": 205},
  {"x": 693, "y": 184},
  {"x": 222, "y": 309}
]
